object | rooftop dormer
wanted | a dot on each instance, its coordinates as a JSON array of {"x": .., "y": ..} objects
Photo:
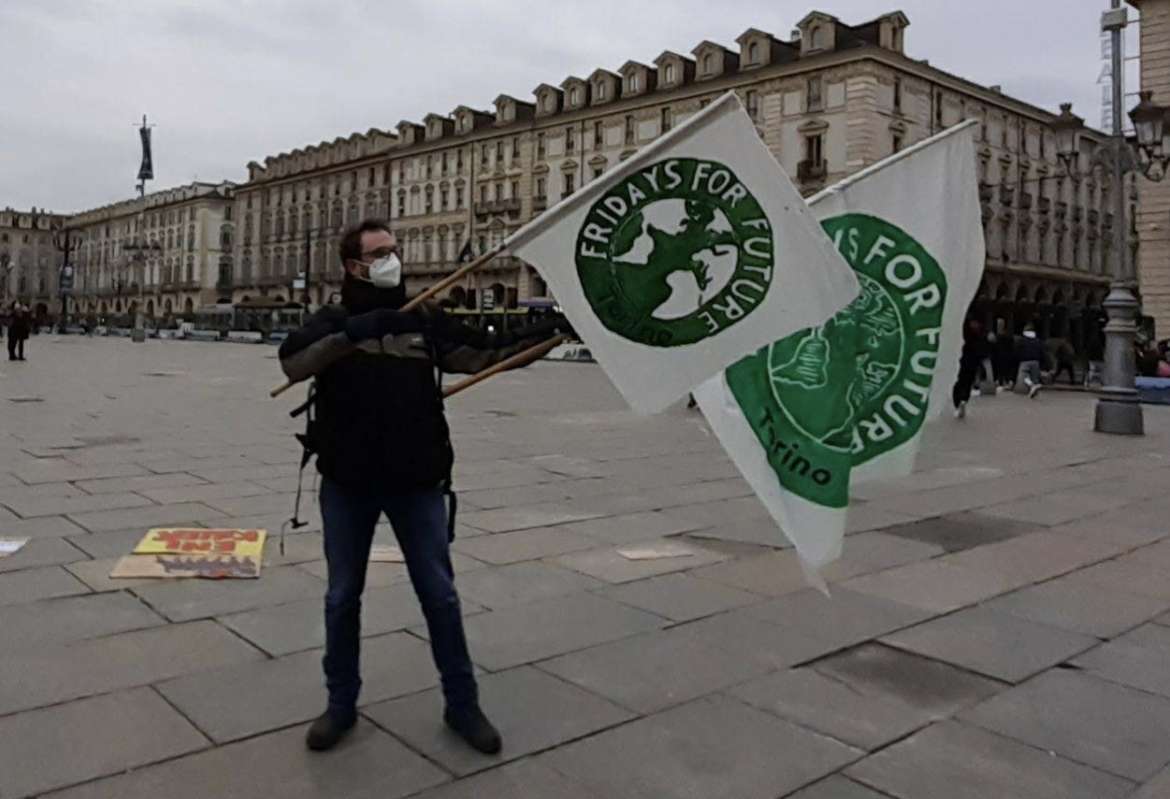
[
  {"x": 410, "y": 132},
  {"x": 674, "y": 70},
  {"x": 605, "y": 86},
  {"x": 818, "y": 33},
  {"x": 759, "y": 49},
  {"x": 637, "y": 78},
  {"x": 468, "y": 119},
  {"x": 576, "y": 93},
  {"x": 509, "y": 110},
  {"x": 713, "y": 60},
  {"x": 438, "y": 126},
  {"x": 549, "y": 99}
]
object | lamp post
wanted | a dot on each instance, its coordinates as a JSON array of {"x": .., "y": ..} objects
[
  {"x": 64, "y": 241},
  {"x": 138, "y": 250},
  {"x": 1118, "y": 409}
]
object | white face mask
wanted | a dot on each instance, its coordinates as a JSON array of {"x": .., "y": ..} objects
[{"x": 385, "y": 273}]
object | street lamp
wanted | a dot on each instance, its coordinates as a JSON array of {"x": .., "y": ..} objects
[
  {"x": 1153, "y": 136},
  {"x": 1067, "y": 128},
  {"x": 138, "y": 250},
  {"x": 65, "y": 241}
]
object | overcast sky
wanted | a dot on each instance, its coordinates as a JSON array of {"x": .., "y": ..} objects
[{"x": 229, "y": 81}]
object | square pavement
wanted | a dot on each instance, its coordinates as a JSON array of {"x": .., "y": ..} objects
[{"x": 998, "y": 625}]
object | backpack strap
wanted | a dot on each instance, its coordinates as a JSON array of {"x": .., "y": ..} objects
[{"x": 307, "y": 453}]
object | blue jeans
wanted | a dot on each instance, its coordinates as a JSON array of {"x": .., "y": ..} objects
[{"x": 419, "y": 520}]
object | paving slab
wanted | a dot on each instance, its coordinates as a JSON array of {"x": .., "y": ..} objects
[
  {"x": 650, "y": 672},
  {"x": 1138, "y": 659},
  {"x": 959, "y": 531},
  {"x": 843, "y": 619},
  {"x": 633, "y": 527},
  {"x": 524, "y": 633},
  {"x": 90, "y": 738},
  {"x": 96, "y": 575},
  {"x": 31, "y": 585},
  {"x": 527, "y": 779},
  {"x": 716, "y": 748},
  {"x": 936, "y": 688},
  {"x": 143, "y": 483},
  {"x": 202, "y": 493},
  {"x": 1157, "y": 788},
  {"x": 1057, "y": 507},
  {"x": 961, "y": 762},
  {"x": 523, "y": 545},
  {"x": 933, "y": 585},
  {"x": 833, "y": 707},
  {"x": 145, "y": 518},
  {"x": 1076, "y": 604},
  {"x": 369, "y": 764},
  {"x": 42, "y": 552},
  {"x": 1132, "y": 574},
  {"x": 55, "y": 506},
  {"x": 679, "y": 597},
  {"x": 184, "y": 600},
  {"x": 563, "y": 712},
  {"x": 1084, "y": 718},
  {"x": 997, "y": 644},
  {"x": 520, "y": 583},
  {"x": 40, "y": 527},
  {"x": 74, "y": 618},
  {"x": 296, "y": 626},
  {"x": 47, "y": 675},
  {"x": 521, "y": 518},
  {"x": 249, "y": 698},
  {"x": 762, "y": 644},
  {"x": 609, "y": 565},
  {"x": 836, "y": 787}
]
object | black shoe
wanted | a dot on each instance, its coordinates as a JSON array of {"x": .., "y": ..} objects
[
  {"x": 327, "y": 730},
  {"x": 473, "y": 726}
]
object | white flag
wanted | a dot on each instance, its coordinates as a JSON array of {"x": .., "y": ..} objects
[
  {"x": 846, "y": 400},
  {"x": 694, "y": 252}
]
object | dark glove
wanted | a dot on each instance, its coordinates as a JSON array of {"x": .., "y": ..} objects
[{"x": 382, "y": 322}]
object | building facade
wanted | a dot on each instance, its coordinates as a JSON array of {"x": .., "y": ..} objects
[
  {"x": 828, "y": 101},
  {"x": 29, "y": 260},
  {"x": 1153, "y": 214},
  {"x": 171, "y": 250}
]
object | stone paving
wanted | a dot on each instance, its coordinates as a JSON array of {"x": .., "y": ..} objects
[{"x": 999, "y": 625}]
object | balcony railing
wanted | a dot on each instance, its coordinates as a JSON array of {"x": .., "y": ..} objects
[
  {"x": 811, "y": 170},
  {"x": 510, "y": 206}
]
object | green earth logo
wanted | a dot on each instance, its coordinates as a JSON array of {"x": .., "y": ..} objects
[
  {"x": 827, "y": 376},
  {"x": 675, "y": 253},
  {"x": 832, "y": 397}
]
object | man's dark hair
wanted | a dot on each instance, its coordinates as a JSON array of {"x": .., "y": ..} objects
[{"x": 351, "y": 242}]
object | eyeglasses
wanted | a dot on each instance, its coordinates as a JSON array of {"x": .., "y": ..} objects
[{"x": 381, "y": 252}]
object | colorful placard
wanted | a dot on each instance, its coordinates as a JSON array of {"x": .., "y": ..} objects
[{"x": 197, "y": 541}]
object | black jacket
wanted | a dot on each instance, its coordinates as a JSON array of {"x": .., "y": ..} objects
[
  {"x": 379, "y": 420},
  {"x": 1031, "y": 349}
]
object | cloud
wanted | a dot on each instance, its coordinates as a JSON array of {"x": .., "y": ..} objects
[{"x": 229, "y": 81}]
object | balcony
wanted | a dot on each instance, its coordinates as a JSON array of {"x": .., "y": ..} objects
[
  {"x": 809, "y": 171},
  {"x": 1044, "y": 204},
  {"x": 510, "y": 206},
  {"x": 539, "y": 203}
]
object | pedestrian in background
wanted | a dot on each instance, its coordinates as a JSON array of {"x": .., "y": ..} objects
[
  {"x": 18, "y": 331},
  {"x": 975, "y": 352},
  {"x": 1063, "y": 355},
  {"x": 1031, "y": 356}
]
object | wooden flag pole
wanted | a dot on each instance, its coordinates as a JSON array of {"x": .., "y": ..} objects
[
  {"x": 446, "y": 282},
  {"x": 524, "y": 358}
]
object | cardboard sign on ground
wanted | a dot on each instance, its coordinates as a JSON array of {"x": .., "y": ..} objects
[
  {"x": 170, "y": 553},
  {"x": 211, "y": 567},
  {"x": 10, "y": 546},
  {"x": 197, "y": 541}
]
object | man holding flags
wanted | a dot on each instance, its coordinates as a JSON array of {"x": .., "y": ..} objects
[{"x": 378, "y": 429}]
